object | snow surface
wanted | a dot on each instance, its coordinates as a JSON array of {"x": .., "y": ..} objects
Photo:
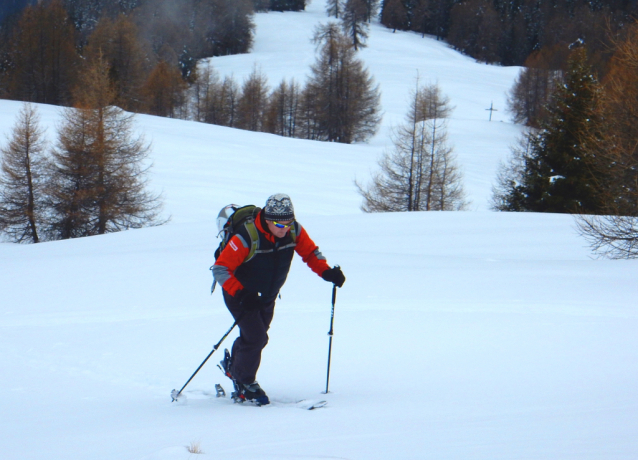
[{"x": 473, "y": 335}]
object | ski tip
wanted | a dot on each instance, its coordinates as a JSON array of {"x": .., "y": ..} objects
[
  {"x": 311, "y": 404},
  {"x": 317, "y": 405}
]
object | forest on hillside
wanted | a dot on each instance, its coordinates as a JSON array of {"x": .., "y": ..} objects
[
  {"x": 507, "y": 32},
  {"x": 42, "y": 43}
]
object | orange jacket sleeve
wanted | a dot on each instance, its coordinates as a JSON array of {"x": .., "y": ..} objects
[
  {"x": 310, "y": 253},
  {"x": 228, "y": 261}
]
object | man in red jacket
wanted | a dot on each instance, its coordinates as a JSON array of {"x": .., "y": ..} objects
[{"x": 251, "y": 287}]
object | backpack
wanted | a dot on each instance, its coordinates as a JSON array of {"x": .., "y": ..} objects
[{"x": 236, "y": 217}]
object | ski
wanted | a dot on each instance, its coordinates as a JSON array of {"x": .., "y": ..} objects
[{"x": 306, "y": 404}]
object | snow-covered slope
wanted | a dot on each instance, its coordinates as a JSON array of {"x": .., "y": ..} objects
[{"x": 473, "y": 335}]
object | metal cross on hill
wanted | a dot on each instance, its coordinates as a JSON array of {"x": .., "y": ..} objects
[{"x": 492, "y": 109}]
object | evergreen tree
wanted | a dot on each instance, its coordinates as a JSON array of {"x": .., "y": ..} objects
[
  {"x": 21, "y": 179},
  {"x": 507, "y": 193},
  {"x": 558, "y": 171}
]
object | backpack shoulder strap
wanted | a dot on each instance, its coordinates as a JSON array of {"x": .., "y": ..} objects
[
  {"x": 251, "y": 230},
  {"x": 294, "y": 231}
]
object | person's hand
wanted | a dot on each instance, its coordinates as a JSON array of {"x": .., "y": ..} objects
[
  {"x": 248, "y": 300},
  {"x": 334, "y": 275}
]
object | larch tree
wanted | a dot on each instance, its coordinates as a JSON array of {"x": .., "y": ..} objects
[
  {"x": 281, "y": 116},
  {"x": 372, "y": 9},
  {"x": 251, "y": 105},
  {"x": 394, "y": 15},
  {"x": 117, "y": 41},
  {"x": 164, "y": 92},
  {"x": 420, "y": 173},
  {"x": 204, "y": 89},
  {"x": 335, "y": 8},
  {"x": 229, "y": 26},
  {"x": 42, "y": 55},
  {"x": 614, "y": 147},
  {"x": 22, "y": 177},
  {"x": 229, "y": 101},
  {"x": 99, "y": 178},
  {"x": 539, "y": 78},
  {"x": 346, "y": 99},
  {"x": 355, "y": 22}
]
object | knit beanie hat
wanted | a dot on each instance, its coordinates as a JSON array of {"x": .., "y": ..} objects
[{"x": 279, "y": 207}]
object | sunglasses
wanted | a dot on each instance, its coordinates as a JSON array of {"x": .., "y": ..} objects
[{"x": 280, "y": 225}]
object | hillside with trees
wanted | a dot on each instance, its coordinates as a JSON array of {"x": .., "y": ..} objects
[{"x": 508, "y": 31}]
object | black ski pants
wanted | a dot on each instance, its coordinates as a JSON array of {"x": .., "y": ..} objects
[{"x": 253, "y": 337}]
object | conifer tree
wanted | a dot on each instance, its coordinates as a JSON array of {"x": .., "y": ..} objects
[
  {"x": 394, "y": 15},
  {"x": 229, "y": 100},
  {"x": 615, "y": 234},
  {"x": 252, "y": 102},
  {"x": 420, "y": 173},
  {"x": 118, "y": 42},
  {"x": 98, "y": 181},
  {"x": 346, "y": 102},
  {"x": 70, "y": 187},
  {"x": 507, "y": 192},
  {"x": 283, "y": 110},
  {"x": 204, "y": 89},
  {"x": 164, "y": 92},
  {"x": 22, "y": 178},
  {"x": 558, "y": 172},
  {"x": 354, "y": 22},
  {"x": 542, "y": 73},
  {"x": 372, "y": 9},
  {"x": 42, "y": 55},
  {"x": 334, "y": 8}
]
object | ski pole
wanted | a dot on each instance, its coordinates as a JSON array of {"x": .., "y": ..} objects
[
  {"x": 175, "y": 394},
  {"x": 331, "y": 332}
]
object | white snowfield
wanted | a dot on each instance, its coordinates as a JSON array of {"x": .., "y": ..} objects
[{"x": 464, "y": 336}]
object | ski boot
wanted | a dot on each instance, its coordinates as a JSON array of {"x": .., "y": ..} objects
[
  {"x": 224, "y": 365},
  {"x": 251, "y": 392},
  {"x": 243, "y": 392}
]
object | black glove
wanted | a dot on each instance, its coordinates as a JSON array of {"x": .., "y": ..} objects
[
  {"x": 334, "y": 275},
  {"x": 248, "y": 300}
]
